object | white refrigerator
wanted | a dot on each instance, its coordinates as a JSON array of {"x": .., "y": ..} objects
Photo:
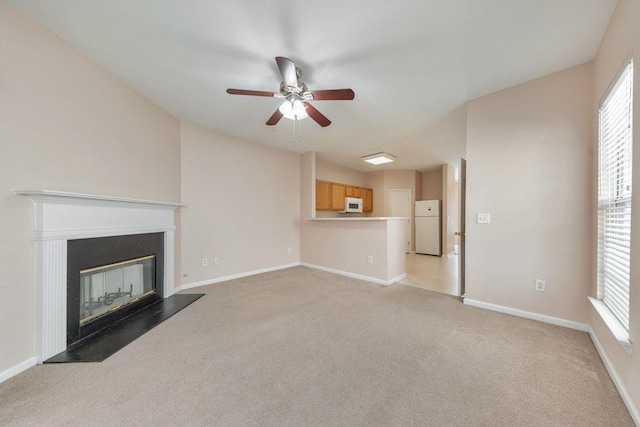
[{"x": 428, "y": 230}]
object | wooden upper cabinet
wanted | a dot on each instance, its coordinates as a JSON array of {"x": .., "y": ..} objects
[
  {"x": 337, "y": 196},
  {"x": 367, "y": 200},
  {"x": 349, "y": 190},
  {"x": 323, "y": 195},
  {"x": 330, "y": 196}
]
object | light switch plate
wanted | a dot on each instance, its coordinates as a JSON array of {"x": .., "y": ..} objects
[{"x": 483, "y": 218}]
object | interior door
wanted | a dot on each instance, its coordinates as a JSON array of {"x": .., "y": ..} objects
[
  {"x": 400, "y": 205},
  {"x": 461, "y": 233}
]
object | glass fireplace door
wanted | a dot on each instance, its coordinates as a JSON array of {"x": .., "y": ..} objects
[{"x": 110, "y": 287}]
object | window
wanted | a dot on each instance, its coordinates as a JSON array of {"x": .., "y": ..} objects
[{"x": 615, "y": 146}]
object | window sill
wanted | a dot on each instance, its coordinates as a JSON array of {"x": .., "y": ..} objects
[{"x": 619, "y": 332}]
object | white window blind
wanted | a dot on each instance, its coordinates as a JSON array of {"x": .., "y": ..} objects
[{"x": 614, "y": 195}]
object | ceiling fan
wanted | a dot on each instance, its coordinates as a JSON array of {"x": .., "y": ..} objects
[{"x": 297, "y": 96}]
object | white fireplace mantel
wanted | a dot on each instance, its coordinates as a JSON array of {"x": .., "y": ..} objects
[{"x": 61, "y": 216}]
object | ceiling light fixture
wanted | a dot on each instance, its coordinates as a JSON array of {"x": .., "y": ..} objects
[
  {"x": 379, "y": 158},
  {"x": 293, "y": 110}
]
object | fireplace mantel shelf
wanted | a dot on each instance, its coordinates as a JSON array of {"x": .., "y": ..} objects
[{"x": 52, "y": 194}]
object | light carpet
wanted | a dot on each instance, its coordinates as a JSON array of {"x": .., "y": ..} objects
[{"x": 301, "y": 347}]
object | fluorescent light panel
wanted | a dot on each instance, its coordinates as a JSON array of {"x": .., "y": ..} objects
[{"x": 379, "y": 158}]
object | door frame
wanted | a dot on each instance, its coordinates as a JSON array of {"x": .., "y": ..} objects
[{"x": 462, "y": 208}]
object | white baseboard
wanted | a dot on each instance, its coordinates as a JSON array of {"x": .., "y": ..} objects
[
  {"x": 234, "y": 276},
  {"x": 15, "y": 370},
  {"x": 356, "y": 276},
  {"x": 622, "y": 390},
  {"x": 528, "y": 315},
  {"x": 398, "y": 278}
]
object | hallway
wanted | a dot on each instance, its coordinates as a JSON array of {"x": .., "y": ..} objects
[{"x": 439, "y": 274}]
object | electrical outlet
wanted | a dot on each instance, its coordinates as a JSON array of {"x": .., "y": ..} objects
[
  {"x": 540, "y": 286},
  {"x": 216, "y": 260},
  {"x": 370, "y": 259},
  {"x": 288, "y": 251},
  {"x": 205, "y": 262},
  {"x": 483, "y": 218}
]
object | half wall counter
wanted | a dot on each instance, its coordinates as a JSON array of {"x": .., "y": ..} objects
[{"x": 366, "y": 248}]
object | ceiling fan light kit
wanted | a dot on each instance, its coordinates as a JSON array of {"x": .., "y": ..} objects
[
  {"x": 379, "y": 158},
  {"x": 293, "y": 110},
  {"x": 297, "y": 95}
]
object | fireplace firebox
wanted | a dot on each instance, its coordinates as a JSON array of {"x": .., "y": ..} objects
[{"x": 109, "y": 278}]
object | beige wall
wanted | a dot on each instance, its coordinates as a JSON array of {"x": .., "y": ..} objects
[
  {"x": 243, "y": 205},
  {"x": 432, "y": 185},
  {"x": 529, "y": 165},
  {"x": 308, "y": 185},
  {"x": 448, "y": 136},
  {"x": 329, "y": 172},
  {"x": 622, "y": 36},
  {"x": 345, "y": 245},
  {"x": 66, "y": 125},
  {"x": 439, "y": 184},
  {"x": 375, "y": 181}
]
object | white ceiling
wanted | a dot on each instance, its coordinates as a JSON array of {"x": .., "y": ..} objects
[{"x": 410, "y": 62}]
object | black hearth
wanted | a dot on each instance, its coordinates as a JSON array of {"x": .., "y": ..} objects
[{"x": 109, "y": 279}]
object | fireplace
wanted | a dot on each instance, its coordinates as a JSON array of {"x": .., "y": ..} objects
[
  {"x": 112, "y": 287},
  {"x": 109, "y": 278},
  {"x": 64, "y": 222}
]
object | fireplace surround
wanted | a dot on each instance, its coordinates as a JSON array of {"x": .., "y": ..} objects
[
  {"x": 62, "y": 217},
  {"x": 108, "y": 278}
]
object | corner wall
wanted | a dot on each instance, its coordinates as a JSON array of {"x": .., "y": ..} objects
[
  {"x": 431, "y": 185},
  {"x": 242, "y": 206},
  {"x": 66, "y": 125},
  {"x": 529, "y": 165}
]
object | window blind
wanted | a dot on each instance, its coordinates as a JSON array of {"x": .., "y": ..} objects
[{"x": 614, "y": 195}]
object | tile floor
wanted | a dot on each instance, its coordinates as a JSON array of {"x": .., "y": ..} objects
[{"x": 434, "y": 273}]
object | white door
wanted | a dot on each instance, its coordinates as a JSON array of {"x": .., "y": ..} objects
[{"x": 400, "y": 205}]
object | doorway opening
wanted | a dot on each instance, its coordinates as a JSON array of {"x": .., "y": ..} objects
[{"x": 442, "y": 273}]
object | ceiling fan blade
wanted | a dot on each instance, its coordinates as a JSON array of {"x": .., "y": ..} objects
[
  {"x": 333, "y": 95},
  {"x": 288, "y": 71},
  {"x": 275, "y": 118},
  {"x": 250, "y": 92},
  {"x": 316, "y": 115}
]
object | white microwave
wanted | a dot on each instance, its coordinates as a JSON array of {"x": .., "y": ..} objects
[{"x": 352, "y": 204}]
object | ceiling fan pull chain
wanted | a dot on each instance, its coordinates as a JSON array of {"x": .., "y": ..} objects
[{"x": 294, "y": 133}]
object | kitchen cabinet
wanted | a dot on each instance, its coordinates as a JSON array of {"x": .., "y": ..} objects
[
  {"x": 367, "y": 200},
  {"x": 323, "y": 195},
  {"x": 351, "y": 191},
  {"x": 337, "y": 196},
  {"x": 330, "y": 196}
]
